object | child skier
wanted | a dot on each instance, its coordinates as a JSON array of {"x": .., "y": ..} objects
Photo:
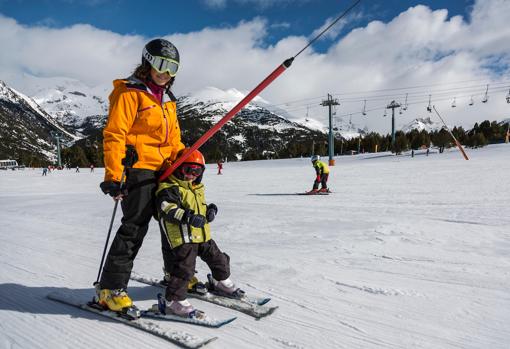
[
  {"x": 184, "y": 220},
  {"x": 322, "y": 172}
]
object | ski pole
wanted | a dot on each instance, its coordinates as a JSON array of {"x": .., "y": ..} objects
[
  {"x": 268, "y": 80},
  {"x": 451, "y": 134},
  {"x": 127, "y": 162}
]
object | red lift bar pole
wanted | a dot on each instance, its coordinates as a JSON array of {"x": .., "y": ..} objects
[
  {"x": 269, "y": 79},
  {"x": 277, "y": 72}
]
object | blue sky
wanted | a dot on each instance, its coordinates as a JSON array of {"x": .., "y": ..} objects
[
  {"x": 285, "y": 17},
  {"x": 383, "y": 50}
]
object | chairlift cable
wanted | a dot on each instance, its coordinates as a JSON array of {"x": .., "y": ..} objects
[{"x": 328, "y": 27}]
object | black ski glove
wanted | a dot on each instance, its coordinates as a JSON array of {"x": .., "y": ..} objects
[
  {"x": 211, "y": 212},
  {"x": 113, "y": 189},
  {"x": 195, "y": 220}
]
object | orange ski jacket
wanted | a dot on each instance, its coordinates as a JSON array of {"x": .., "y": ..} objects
[{"x": 136, "y": 117}]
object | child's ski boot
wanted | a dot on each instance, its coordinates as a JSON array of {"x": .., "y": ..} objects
[
  {"x": 180, "y": 308},
  {"x": 225, "y": 288}
]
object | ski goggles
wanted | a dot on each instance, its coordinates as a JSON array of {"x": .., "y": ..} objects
[
  {"x": 192, "y": 170},
  {"x": 162, "y": 64}
]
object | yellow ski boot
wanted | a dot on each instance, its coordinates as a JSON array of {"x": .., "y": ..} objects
[{"x": 115, "y": 300}]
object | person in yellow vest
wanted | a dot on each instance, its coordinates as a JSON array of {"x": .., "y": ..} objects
[
  {"x": 184, "y": 218},
  {"x": 142, "y": 115},
  {"x": 322, "y": 174}
]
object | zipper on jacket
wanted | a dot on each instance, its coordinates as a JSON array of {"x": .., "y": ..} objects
[
  {"x": 198, "y": 208},
  {"x": 166, "y": 131}
]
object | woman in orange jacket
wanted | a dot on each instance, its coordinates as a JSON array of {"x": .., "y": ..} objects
[{"x": 142, "y": 115}]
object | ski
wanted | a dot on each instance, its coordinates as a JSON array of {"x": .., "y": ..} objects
[
  {"x": 249, "y": 306},
  {"x": 183, "y": 339},
  {"x": 197, "y": 317}
]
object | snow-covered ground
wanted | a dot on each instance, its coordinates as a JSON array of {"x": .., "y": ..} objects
[{"x": 407, "y": 253}]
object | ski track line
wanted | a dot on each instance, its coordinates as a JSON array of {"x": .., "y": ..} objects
[{"x": 286, "y": 343}]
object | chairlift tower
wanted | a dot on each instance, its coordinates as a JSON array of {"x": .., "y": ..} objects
[
  {"x": 331, "y": 141},
  {"x": 393, "y": 105},
  {"x": 57, "y": 136}
]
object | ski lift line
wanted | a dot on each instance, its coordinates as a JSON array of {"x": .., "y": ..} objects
[
  {"x": 396, "y": 97},
  {"x": 413, "y": 101},
  {"x": 451, "y": 134},
  {"x": 418, "y": 94},
  {"x": 252, "y": 94},
  {"x": 419, "y": 86},
  {"x": 420, "y": 102},
  {"x": 328, "y": 27}
]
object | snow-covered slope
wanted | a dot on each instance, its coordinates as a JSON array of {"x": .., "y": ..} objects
[{"x": 406, "y": 253}]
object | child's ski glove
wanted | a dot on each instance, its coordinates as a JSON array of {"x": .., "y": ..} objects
[
  {"x": 211, "y": 212},
  {"x": 195, "y": 220}
]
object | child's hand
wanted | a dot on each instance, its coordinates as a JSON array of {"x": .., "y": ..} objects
[
  {"x": 211, "y": 212},
  {"x": 196, "y": 220}
]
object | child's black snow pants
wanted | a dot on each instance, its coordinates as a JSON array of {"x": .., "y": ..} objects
[{"x": 180, "y": 264}]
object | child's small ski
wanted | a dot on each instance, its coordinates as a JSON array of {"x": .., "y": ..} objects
[
  {"x": 197, "y": 317},
  {"x": 314, "y": 193},
  {"x": 180, "y": 338},
  {"x": 249, "y": 305}
]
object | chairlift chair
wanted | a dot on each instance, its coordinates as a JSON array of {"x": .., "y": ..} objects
[
  {"x": 508, "y": 97},
  {"x": 364, "y": 110},
  {"x": 486, "y": 97},
  {"x": 429, "y": 107},
  {"x": 405, "y": 104},
  {"x": 471, "y": 102},
  {"x": 453, "y": 103},
  {"x": 385, "y": 113}
]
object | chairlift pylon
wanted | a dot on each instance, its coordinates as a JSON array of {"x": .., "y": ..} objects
[
  {"x": 429, "y": 107},
  {"x": 486, "y": 97},
  {"x": 453, "y": 103}
]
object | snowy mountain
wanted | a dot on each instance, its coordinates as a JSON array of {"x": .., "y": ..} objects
[
  {"x": 421, "y": 124},
  {"x": 259, "y": 131},
  {"x": 26, "y": 128},
  {"x": 68, "y": 100}
]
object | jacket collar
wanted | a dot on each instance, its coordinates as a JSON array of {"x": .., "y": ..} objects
[{"x": 135, "y": 83}]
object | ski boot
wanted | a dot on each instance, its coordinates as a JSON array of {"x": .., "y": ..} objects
[
  {"x": 324, "y": 190},
  {"x": 180, "y": 308},
  {"x": 116, "y": 300},
  {"x": 225, "y": 288},
  {"x": 194, "y": 286},
  {"x": 312, "y": 192}
]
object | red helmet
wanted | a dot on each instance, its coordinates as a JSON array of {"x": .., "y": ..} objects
[{"x": 195, "y": 157}]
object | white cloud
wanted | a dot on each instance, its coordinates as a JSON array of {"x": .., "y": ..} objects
[{"x": 418, "y": 47}]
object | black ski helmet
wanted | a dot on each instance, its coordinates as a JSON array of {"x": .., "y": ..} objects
[{"x": 160, "y": 48}]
